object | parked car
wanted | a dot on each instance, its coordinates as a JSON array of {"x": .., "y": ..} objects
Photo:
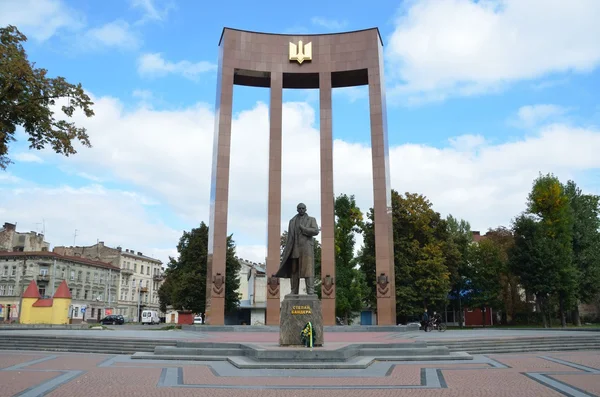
[
  {"x": 113, "y": 319},
  {"x": 198, "y": 320}
]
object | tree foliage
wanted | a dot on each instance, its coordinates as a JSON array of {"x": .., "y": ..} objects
[
  {"x": 184, "y": 287},
  {"x": 586, "y": 242},
  {"x": 350, "y": 288},
  {"x": 420, "y": 244},
  {"x": 28, "y": 97}
]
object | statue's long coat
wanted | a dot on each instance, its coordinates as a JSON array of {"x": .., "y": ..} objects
[{"x": 306, "y": 248}]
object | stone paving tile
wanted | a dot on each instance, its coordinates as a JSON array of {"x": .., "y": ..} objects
[
  {"x": 10, "y": 359},
  {"x": 111, "y": 382},
  {"x": 588, "y": 382},
  {"x": 73, "y": 362},
  {"x": 13, "y": 382},
  {"x": 589, "y": 360},
  {"x": 399, "y": 376},
  {"x": 532, "y": 364},
  {"x": 503, "y": 382}
]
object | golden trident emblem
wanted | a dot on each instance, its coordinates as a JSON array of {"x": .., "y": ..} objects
[{"x": 300, "y": 53}]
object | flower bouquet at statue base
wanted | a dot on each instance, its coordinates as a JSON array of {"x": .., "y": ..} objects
[{"x": 308, "y": 335}]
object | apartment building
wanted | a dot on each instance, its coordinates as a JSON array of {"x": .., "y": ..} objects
[
  {"x": 140, "y": 276},
  {"x": 93, "y": 284},
  {"x": 11, "y": 240}
]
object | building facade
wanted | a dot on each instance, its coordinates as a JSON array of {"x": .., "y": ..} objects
[
  {"x": 93, "y": 284},
  {"x": 13, "y": 241},
  {"x": 140, "y": 276}
]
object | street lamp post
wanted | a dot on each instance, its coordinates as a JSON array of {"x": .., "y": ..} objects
[{"x": 139, "y": 300}]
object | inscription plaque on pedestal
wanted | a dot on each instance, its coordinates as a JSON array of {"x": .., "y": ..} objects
[{"x": 296, "y": 311}]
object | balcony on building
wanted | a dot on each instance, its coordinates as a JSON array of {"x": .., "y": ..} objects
[
  {"x": 143, "y": 289},
  {"x": 158, "y": 277},
  {"x": 126, "y": 272},
  {"x": 43, "y": 277}
]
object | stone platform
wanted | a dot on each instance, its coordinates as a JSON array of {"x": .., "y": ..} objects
[{"x": 267, "y": 356}]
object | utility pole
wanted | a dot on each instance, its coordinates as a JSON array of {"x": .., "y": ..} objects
[{"x": 74, "y": 237}]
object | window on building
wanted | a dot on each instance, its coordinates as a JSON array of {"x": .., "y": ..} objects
[
  {"x": 135, "y": 267},
  {"x": 85, "y": 294},
  {"x": 42, "y": 291},
  {"x": 79, "y": 275},
  {"x": 101, "y": 278},
  {"x": 142, "y": 269},
  {"x": 10, "y": 290},
  {"x": 147, "y": 271},
  {"x": 43, "y": 271},
  {"x": 95, "y": 277},
  {"x": 87, "y": 277},
  {"x": 5, "y": 273},
  {"x": 73, "y": 293},
  {"x": 1, "y": 290},
  {"x": 14, "y": 271},
  {"x": 93, "y": 311},
  {"x": 64, "y": 272},
  {"x": 72, "y": 275}
]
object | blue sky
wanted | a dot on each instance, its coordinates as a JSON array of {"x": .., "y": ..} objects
[{"x": 482, "y": 96}]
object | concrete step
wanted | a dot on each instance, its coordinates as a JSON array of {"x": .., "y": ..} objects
[
  {"x": 210, "y": 345},
  {"x": 586, "y": 343},
  {"x": 528, "y": 349},
  {"x": 73, "y": 350},
  {"x": 403, "y": 352},
  {"x": 194, "y": 351},
  {"x": 508, "y": 341},
  {"x": 152, "y": 356},
  {"x": 81, "y": 344}
]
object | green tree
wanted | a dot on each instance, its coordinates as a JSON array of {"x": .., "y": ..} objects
[
  {"x": 527, "y": 259},
  {"x": 350, "y": 286},
  {"x": 185, "y": 278},
  {"x": 456, "y": 252},
  {"x": 549, "y": 201},
  {"x": 485, "y": 270},
  {"x": 421, "y": 272},
  {"x": 28, "y": 97},
  {"x": 586, "y": 244},
  {"x": 511, "y": 301}
]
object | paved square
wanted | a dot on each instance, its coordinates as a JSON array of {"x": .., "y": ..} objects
[{"x": 30, "y": 374}]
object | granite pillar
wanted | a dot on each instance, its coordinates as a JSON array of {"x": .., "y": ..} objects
[
  {"x": 327, "y": 201},
  {"x": 274, "y": 198},
  {"x": 219, "y": 198},
  {"x": 384, "y": 243}
]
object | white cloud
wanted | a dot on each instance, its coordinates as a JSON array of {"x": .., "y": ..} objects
[
  {"x": 443, "y": 48},
  {"x": 27, "y": 157},
  {"x": 330, "y": 24},
  {"x": 166, "y": 157},
  {"x": 115, "y": 34},
  {"x": 154, "y": 65},
  {"x": 151, "y": 11},
  {"x": 118, "y": 218},
  {"x": 39, "y": 19},
  {"x": 533, "y": 115}
]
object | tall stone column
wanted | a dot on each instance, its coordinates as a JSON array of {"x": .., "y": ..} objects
[
  {"x": 219, "y": 199},
  {"x": 274, "y": 199},
  {"x": 384, "y": 243},
  {"x": 327, "y": 202}
]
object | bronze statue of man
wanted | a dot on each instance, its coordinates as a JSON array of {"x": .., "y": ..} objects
[{"x": 298, "y": 259}]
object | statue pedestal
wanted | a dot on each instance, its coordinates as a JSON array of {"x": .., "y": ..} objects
[{"x": 296, "y": 311}]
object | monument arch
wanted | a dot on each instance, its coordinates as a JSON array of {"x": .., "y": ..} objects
[{"x": 324, "y": 62}]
